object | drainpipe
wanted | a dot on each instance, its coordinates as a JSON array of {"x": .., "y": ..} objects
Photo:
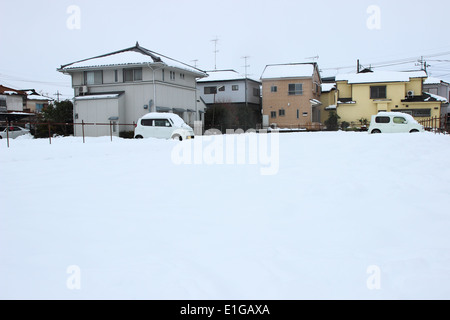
[{"x": 154, "y": 82}]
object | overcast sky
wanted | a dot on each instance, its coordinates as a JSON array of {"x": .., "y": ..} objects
[{"x": 36, "y": 37}]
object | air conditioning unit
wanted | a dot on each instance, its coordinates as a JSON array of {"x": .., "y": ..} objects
[
  {"x": 83, "y": 90},
  {"x": 410, "y": 93}
]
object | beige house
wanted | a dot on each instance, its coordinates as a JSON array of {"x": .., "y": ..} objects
[{"x": 291, "y": 94}]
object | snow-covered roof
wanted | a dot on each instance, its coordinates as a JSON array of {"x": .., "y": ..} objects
[
  {"x": 98, "y": 96},
  {"x": 38, "y": 97},
  {"x": 327, "y": 87},
  {"x": 380, "y": 76},
  {"x": 136, "y": 55},
  {"x": 224, "y": 75},
  {"x": 291, "y": 70},
  {"x": 436, "y": 97},
  {"x": 431, "y": 80}
]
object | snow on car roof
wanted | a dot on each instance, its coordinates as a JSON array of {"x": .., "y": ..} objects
[
  {"x": 395, "y": 114},
  {"x": 160, "y": 115}
]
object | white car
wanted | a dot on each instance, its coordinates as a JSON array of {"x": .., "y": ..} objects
[
  {"x": 13, "y": 132},
  {"x": 163, "y": 126},
  {"x": 394, "y": 122}
]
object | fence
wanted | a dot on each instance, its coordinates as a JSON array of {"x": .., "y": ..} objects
[
  {"x": 51, "y": 125},
  {"x": 437, "y": 124}
]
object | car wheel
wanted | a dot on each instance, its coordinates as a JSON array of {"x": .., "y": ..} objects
[
  {"x": 177, "y": 137},
  {"x": 375, "y": 131},
  {"x": 139, "y": 137},
  {"x": 414, "y": 131}
]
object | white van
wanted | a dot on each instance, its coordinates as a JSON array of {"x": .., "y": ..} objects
[
  {"x": 394, "y": 122},
  {"x": 163, "y": 126}
]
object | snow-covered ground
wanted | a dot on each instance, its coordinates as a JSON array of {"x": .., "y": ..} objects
[{"x": 345, "y": 216}]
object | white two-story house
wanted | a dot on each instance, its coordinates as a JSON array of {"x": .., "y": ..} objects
[{"x": 122, "y": 86}]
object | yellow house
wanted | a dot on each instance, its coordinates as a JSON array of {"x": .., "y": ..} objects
[
  {"x": 291, "y": 94},
  {"x": 361, "y": 95}
]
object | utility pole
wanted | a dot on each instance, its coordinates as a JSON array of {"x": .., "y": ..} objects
[
  {"x": 215, "y": 52},
  {"x": 423, "y": 64},
  {"x": 246, "y": 76},
  {"x": 57, "y": 94}
]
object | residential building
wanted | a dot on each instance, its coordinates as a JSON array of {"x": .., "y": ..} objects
[
  {"x": 230, "y": 87},
  {"x": 328, "y": 98},
  {"x": 36, "y": 102},
  {"x": 12, "y": 99},
  {"x": 122, "y": 86},
  {"x": 363, "y": 94},
  {"x": 235, "y": 93},
  {"x": 440, "y": 88},
  {"x": 291, "y": 94}
]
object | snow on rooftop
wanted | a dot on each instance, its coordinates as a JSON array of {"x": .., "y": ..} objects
[
  {"x": 327, "y": 87},
  {"x": 380, "y": 76},
  {"x": 98, "y": 96},
  {"x": 294, "y": 70},
  {"x": 223, "y": 75},
  {"x": 132, "y": 56},
  {"x": 37, "y": 97},
  {"x": 431, "y": 80},
  {"x": 438, "y": 98}
]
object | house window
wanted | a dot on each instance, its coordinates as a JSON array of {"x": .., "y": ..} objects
[
  {"x": 274, "y": 89},
  {"x": 256, "y": 92},
  {"x": 116, "y": 76},
  {"x": 39, "y": 107},
  {"x": 378, "y": 92},
  {"x": 295, "y": 89},
  {"x": 273, "y": 114},
  {"x": 281, "y": 112},
  {"x": 93, "y": 77},
  {"x": 235, "y": 87},
  {"x": 210, "y": 90},
  {"x": 172, "y": 75},
  {"x": 305, "y": 114},
  {"x": 163, "y": 75},
  {"x": 298, "y": 114},
  {"x": 222, "y": 89},
  {"x": 419, "y": 113},
  {"x": 182, "y": 76},
  {"x": 130, "y": 75}
]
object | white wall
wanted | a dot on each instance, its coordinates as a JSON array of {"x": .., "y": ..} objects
[
  {"x": 229, "y": 95},
  {"x": 14, "y": 103},
  {"x": 95, "y": 111}
]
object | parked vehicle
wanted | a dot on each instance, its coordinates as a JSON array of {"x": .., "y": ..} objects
[
  {"x": 163, "y": 126},
  {"x": 394, "y": 122},
  {"x": 13, "y": 133}
]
